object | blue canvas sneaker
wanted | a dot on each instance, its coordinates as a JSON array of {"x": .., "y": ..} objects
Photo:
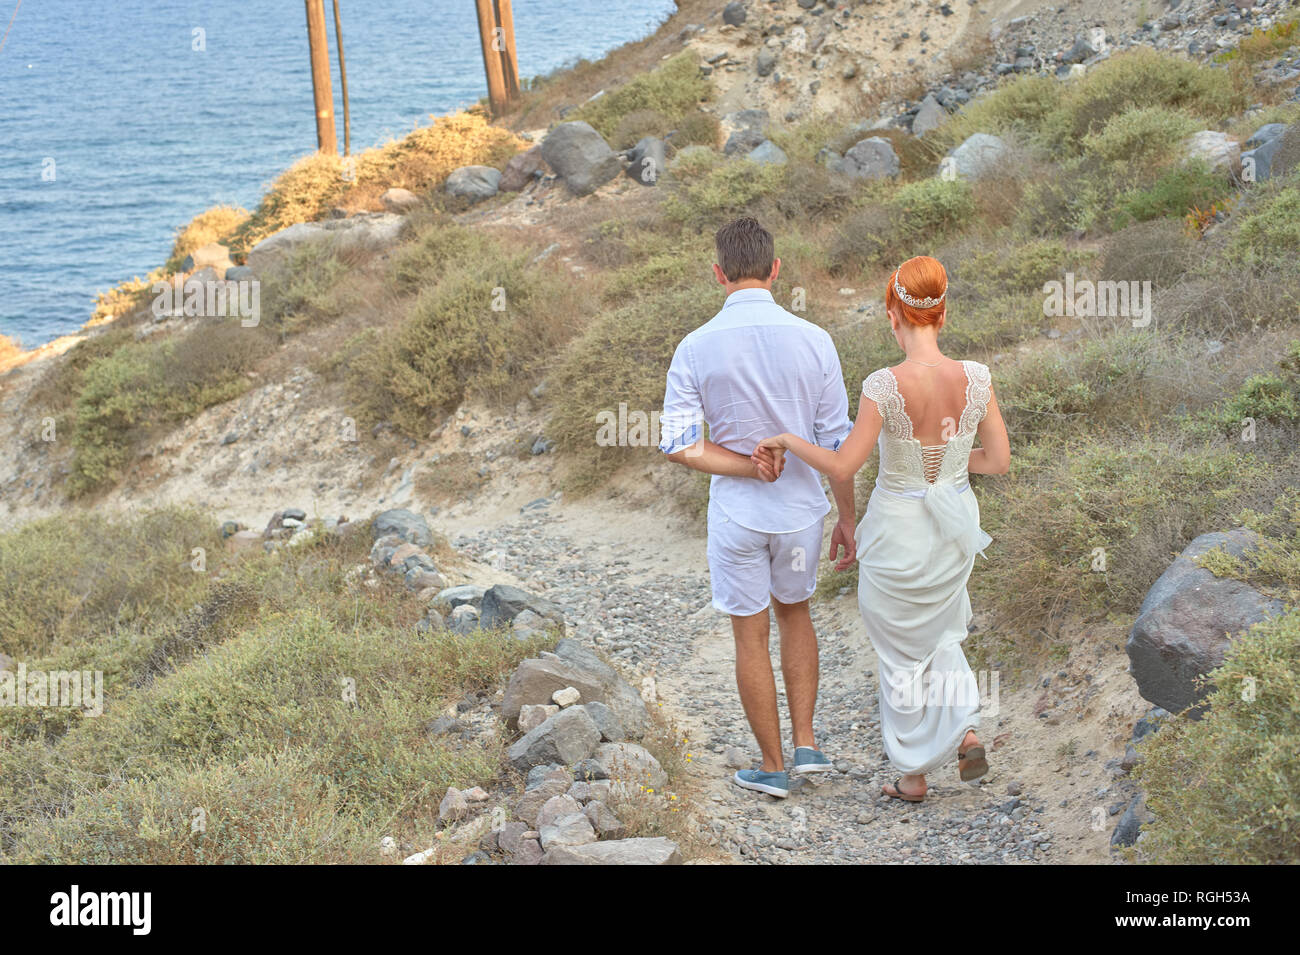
[
  {"x": 809, "y": 760},
  {"x": 774, "y": 784}
]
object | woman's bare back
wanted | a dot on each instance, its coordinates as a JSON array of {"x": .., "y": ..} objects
[{"x": 933, "y": 398}]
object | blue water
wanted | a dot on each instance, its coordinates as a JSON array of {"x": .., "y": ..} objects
[{"x": 142, "y": 132}]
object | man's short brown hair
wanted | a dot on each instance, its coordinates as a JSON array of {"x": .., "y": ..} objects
[{"x": 745, "y": 250}]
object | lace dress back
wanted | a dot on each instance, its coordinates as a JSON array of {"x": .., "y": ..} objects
[{"x": 906, "y": 464}]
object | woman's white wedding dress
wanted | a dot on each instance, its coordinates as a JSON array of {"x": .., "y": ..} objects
[{"x": 916, "y": 547}]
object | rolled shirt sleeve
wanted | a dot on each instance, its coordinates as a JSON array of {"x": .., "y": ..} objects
[
  {"x": 682, "y": 422},
  {"x": 832, "y": 424}
]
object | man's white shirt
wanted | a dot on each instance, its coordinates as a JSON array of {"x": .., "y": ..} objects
[{"x": 753, "y": 371}]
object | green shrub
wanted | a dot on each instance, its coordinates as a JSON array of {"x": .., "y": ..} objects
[
  {"x": 1072, "y": 196},
  {"x": 704, "y": 191},
  {"x": 268, "y": 697},
  {"x": 1138, "y": 499},
  {"x": 144, "y": 387},
  {"x": 484, "y": 324},
  {"x": 73, "y": 579},
  {"x": 908, "y": 223},
  {"x": 1268, "y": 233},
  {"x": 264, "y": 810},
  {"x": 1017, "y": 109},
  {"x": 1138, "y": 79},
  {"x": 1177, "y": 191},
  {"x": 1140, "y": 137},
  {"x": 674, "y": 90},
  {"x": 1273, "y": 565},
  {"x": 311, "y": 284},
  {"x": 1223, "y": 788}
]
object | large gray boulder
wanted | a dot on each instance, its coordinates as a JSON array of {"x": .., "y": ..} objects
[
  {"x": 768, "y": 153},
  {"x": 647, "y": 161},
  {"x": 364, "y": 232},
  {"x": 502, "y": 603},
  {"x": 1187, "y": 621},
  {"x": 1130, "y": 823},
  {"x": 870, "y": 158},
  {"x": 606, "y": 720},
  {"x": 929, "y": 117},
  {"x": 1081, "y": 51},
  {"x": 658, "y": 851},
  {"x": 575, "y": 829},
  {"x": 1216, "y": 149},
  {"x": 733, "y": 14},
  {"x": 746, "y": 129},
  {"x": 569, "y": 736},
  {"x": 623, "y": 698},
  {"x": 1257, "y": 160},
  {"x": 980, "y": 154},
  {"x": 581, "y": 157},
  {"x": 474, "y": 183},
  {"x": 405, "y": 524},
  {"x": 535, "y": 682},
  {"x": 399, "y": 201}
]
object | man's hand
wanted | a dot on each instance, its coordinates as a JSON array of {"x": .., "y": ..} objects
[
  {"x": 843, "y": 536},
  {"x": 769, "y": 462}
]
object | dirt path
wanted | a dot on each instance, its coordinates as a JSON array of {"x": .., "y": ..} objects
[{"x": 639, "y": 592}]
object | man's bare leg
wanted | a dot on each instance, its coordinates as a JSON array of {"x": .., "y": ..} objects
[
  {"x": 799, "y": 667},
  {"x": 757, "y": 685}
]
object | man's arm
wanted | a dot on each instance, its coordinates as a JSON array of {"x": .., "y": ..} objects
[
  {"x": 845, "y": 533},
  {"x": 683, "y": 428},
  {"x": 712, "y": 458}
]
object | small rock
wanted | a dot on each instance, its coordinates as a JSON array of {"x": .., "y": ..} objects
[
  {"x": 737, "y": 758},
  {"x": 566, "y": 697},
  {"x": 400, "y": 201},
  {"x": 454, "y": 806},
  {"x": 474, "y": 183}
]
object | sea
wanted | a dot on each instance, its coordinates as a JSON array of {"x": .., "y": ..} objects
[{"x": 121, "y": 120}]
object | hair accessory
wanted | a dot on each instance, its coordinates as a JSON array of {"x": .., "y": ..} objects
[{"x": 916, "y": 302}]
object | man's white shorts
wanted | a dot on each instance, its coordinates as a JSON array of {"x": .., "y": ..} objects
[{"x": 747, "y": 568}]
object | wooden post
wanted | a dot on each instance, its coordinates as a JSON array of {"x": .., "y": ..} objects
[
  {"x": 343, "y": 83},
  {"x": 509, "y": 62},
  {"x": 318, "y": 44},
  {"x": 491, "y": 57}
]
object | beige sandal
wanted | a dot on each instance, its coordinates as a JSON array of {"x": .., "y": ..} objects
[{"x": 971, "y": 764}]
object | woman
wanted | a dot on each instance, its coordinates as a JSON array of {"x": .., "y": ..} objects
[{"x": 917, "y": 544}]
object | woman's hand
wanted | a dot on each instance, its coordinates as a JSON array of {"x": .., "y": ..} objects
[{"x": 769, "y": 458}]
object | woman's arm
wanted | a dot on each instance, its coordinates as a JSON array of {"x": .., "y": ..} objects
[
  {"x": 844, "y": 463},
  {"x": 994, "y": 454}
]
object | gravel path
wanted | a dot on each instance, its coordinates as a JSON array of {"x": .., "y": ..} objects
[{"x": 657, "y": 621}]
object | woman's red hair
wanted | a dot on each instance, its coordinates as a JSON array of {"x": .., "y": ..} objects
[{"x": 921, "y": 277}]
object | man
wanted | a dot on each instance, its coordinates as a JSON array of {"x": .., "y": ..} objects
[{"x": 751, "y": 371}]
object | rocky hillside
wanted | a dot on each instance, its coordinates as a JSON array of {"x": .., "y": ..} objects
[{"x": 438, "y": 344}]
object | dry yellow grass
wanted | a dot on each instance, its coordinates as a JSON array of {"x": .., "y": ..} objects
[
  {"x": 210, "y": 225},
  {"x": 420, "y": 162}
]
